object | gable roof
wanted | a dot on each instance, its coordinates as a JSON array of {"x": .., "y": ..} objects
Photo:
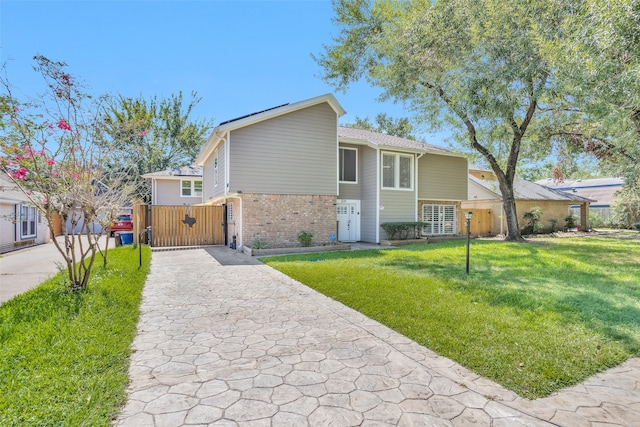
[
  {"x": 9, "y": 191},
  {"x": 570, "y": 184},
  {"x": 184, "y": 171},
  {"x": 375, "y": 139},
  {"x": 527, "y": 190},
  {"x": 223, "y": 128}
]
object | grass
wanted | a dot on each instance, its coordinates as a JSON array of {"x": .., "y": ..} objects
[
  {"x": 64, "y": 357},
  {"x": 533, "y": 317}
]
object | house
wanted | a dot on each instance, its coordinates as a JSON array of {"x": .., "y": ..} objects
[
  {"x": 601, "y": 190},
  {"x": 179, "y": 186},
  {"x": 485, "y": 201},
  {"x": 292, "y": 168},
  {"x": 21, "y": 225}
]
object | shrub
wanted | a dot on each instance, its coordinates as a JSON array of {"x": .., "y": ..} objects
[
  {"x": 304, "y": 237},
  {"x": 533, "y": 221},
  {"x": 570, "y": 221},
  {"x": 258, "y": 244},
  {"x": 554, "y": 224},
  {"x": 636, "y": 226},
  {"x": 402, "y": 230}
]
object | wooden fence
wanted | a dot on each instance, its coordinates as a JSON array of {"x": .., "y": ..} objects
[{"x": 182, "y": 225}]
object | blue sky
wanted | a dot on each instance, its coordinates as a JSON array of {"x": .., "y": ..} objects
[{"x": 240, "y": 56}]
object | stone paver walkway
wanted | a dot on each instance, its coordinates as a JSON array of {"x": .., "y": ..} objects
[{"x": 244, "y": 345}]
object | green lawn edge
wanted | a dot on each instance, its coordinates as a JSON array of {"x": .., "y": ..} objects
[
  {"x": 534, "y": 317},
  {"x": 64, "y": 357}
]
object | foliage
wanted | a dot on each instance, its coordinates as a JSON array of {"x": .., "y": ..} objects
[
  {"x": 65, "y": 356},
  {"x": 401, "y": 127},
  {"x": 153, "y": 135},
  {"x": 597, "y": 67},
  {"x": 636, "y": 226},
  {"x": 49, "y": 148},
  {"x": 584, "y": 293},
  {"x": 477, "y": 66},
  {"x": 259, "y": 244},
  {"x": 402, "y": 230},
  {"x": 626, "y": 205},
  {"x": 304, "y": 237},
  {"x": 533, "y": 218},
  {"x": 570, "y": 222},
  {"x": 554, "y": 224}
]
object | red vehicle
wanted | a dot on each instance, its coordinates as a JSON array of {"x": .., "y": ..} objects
[{"x": 123, "y": 222}]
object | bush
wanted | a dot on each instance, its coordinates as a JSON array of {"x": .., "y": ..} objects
[
  {"x": 533, "y": 218},
  {"x": 259, "y": 244},
  {"x": 570, "y": 221},
  {"x": 636, "y": 226},
  {"x": 554, "y": 224},
  {"x": 402, "y": 230},
  {"x": 304, "y": 237}
]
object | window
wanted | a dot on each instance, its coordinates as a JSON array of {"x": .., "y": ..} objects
[
  {"x": 229, "y": 212},
  {"x": 27, "y": 221},
  {"x": 190, "y": 188},
  {"x": 439, "y": 219},
  {"x": 215, "y": 168},
  {"x": 397, "y": 171},
  {"x": 348, "y": 165}
]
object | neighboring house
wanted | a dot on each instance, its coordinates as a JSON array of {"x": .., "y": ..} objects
[
  {"x": 180, "y": 186},
  {"x": 601, "y": 190},
  {"x": 292, "y": 168},
  {"x": 21, "y": 225},
  {"x": 485, "y": 201}
]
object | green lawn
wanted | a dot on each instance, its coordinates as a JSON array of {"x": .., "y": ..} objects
[
  {"x": 534, "y": 317},
  {"x": 64, "y": 357}
]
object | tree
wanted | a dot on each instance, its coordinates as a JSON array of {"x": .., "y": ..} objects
[
  {"x": 401, "y": 127},
  {"x": 473, "y": 65},
  {"x": 626, "y": 206},
  {"x": 597, "y": 68},
  {"x": 49, "y": 148},
  {"x": 153, "y": 135}
]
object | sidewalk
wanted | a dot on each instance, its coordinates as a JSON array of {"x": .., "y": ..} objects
[
  {"x": 26, "y": 268},
  {"x": 242, "y": 345}
]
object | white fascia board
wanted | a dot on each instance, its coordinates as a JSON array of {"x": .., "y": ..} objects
[{"x": 211, "y": 144}]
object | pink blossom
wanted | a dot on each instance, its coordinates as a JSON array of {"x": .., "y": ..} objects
[
  {"x": 51, "y": 162},
  {"x": 19, "y": 174},
  {"x": 16, "y": 109},
  {"x": 55, "y": 174},
  {"x": 62, "y": 124},
  {"x": 76, "y": 176},
  {"x": 143, "y": 133},
  {"x": 50, "y": 126}
]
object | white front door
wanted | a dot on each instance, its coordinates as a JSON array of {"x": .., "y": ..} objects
[{"x": 348, "y": 220}]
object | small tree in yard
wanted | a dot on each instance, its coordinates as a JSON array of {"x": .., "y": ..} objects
[{"x": 49, "y": 149}]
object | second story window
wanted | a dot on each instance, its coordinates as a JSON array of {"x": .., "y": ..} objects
[
  {"x": 397, "y": 171},
  {"x": 348, "y": 165},
  {"x": 189, "y": 188}
]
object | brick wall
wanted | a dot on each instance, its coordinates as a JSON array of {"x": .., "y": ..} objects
[{"x": 276, "y": 219}]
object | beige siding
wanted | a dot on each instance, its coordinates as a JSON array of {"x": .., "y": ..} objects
[
  {"x": 168, "y": 193},
  {"x": 369, "y": 202},
  {"x": 291, "y": 154},
  {"x": 210, "y": 191},
  {"x": 442, "y": 177},
  {"x": 348, "y": 190},
  {"x": 398, "y": 206}
]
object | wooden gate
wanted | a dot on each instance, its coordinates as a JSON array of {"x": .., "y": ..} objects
[
  {"x": 481, "y": 222},
  {"x": 186, "y": 225}
]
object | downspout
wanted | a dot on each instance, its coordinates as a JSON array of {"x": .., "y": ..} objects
[
  {"x": 416, "y": 176},
  {"x": 378, "y": 194}
]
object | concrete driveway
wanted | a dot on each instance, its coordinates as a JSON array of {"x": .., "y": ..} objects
[
  {"x": 26, "y": 268},
  {"x": 226, "y": 341}
]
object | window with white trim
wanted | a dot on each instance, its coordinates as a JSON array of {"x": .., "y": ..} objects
[
  {"x": 348, "y": 165},
  {"x": 439, "y": 219},
  {"x": 27, "y": 222},
  {"x": 190, "y": 188},
  {"x": 397, "y": 171},
  {"x": 215, "y": 168}
]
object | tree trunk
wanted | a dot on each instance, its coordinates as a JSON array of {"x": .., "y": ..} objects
[{"x": 510, "y": 213}]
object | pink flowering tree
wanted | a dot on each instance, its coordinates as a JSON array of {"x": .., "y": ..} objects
[{"x": 52, "y": 148}]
